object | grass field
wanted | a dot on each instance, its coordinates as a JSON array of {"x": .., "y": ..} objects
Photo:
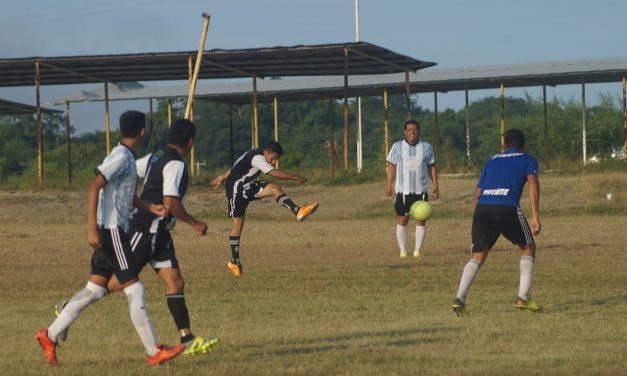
[{"x": 330, "y": 295}]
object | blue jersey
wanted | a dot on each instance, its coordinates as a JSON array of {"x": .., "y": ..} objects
[{"x": 504, "y": 177}]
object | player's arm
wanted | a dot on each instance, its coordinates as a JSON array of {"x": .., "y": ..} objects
[
  {"x": 283, "y": 175},
  {"x": 475, "y": 197},
  {"x": 390, "y": 171},
  {"x": 534, "y": 198},
  {"x": 156, "y": 209},
  {"x": 93, "y": 236},
  {"x": 219, "y": 180},
  {"x": 433, "y": 174},
  {"x": 178, "y": 210}
]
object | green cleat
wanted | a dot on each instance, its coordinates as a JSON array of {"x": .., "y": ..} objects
[
  {"x": 417, "y": 253},
  {"x": 57, "y": 311},
  {"x": 529, "y": 304},
  {"x": 200, "y": 345},
  {"x": 459, "y": 307},
  {"x": 403, "y": 254}
]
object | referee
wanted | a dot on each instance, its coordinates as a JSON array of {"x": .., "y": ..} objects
[{"x": 497, "y": 211}]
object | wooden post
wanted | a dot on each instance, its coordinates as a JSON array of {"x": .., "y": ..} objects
[
  {"x": 231, "y": 134},
  {"x": 194, "y": 77},
  {"x": 625, "y": 117},
  {"x": 345, "y": 109},
  {"x": 386, "y": 127},
  {"x": 332, "y": 138},
  {"x": 276, "y": 123},
  {"x": 68, "y": 133},
  {"x": 502, "y": 116},
  {"x": 151, "y": 122},
  {"x": 169, "y": 113},
  {"x": 189, "y": 115},
  {"x": 107, "y": 131},
  {"x": 407, "y": 95},
  {"x": 583, "y": 121},
  {"x": 437, "y": 128},
  {"x": 546, "y": 129},
  {"x": 255, "y": 113},
  {"x": 40, "y": 146},
  {"x": 467, "y": 113}
]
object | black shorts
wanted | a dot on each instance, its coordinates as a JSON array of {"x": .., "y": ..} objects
[
  {"x": 115, "y": 256},
  {"x": 240, "y": 195},
  {"x": 490, "y": 221},
  {"x": 156, "y": 249},
  {"x": 403, "y": 202}
]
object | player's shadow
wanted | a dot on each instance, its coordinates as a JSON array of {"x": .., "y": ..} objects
[
  {"x": 357, "y": 340},
  {"x": 589, "y": 302}
]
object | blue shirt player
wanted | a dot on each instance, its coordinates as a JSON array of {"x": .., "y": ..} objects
[{"x": 497, "y": 211}]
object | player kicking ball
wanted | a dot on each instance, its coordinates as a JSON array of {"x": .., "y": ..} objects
[{"x": 242, "y": 187}]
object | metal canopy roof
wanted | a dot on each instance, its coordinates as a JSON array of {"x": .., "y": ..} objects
[
  {"x": 301, "y": 60},
  {"x": 429, "y": 80},
  {"x": 15, "y": 108}
]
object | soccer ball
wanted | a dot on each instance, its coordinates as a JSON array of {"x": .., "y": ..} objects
[{"x": 420, "y": 211}]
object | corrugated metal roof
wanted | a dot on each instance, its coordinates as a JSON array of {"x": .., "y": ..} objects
[
  {"x": 429, "y": 80},
  {"x": 301, "y": 60},
  {"x": 15, "y": 108}
]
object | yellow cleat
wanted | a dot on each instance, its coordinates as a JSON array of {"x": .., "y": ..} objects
[
  {"x": 529, "y": 304},
  {"x": 200, "y": 345}
]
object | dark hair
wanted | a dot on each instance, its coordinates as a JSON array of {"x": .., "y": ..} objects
[
  {"x": 274, "y": 147},
  {"x": 180, "y": 132},
  {"x": 515, "y": 137},
  {"x": 414, "y": 122},
  {"x": 131, "y": 123}
]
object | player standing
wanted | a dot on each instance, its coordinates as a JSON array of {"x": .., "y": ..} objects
[
  {"x": 412, "y": 162},
  {"x": 497, "y": 211}
]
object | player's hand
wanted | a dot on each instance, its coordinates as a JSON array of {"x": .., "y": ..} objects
[
  {"x": 200, "y": 227},
  {"x": 93, "y": 238},
  {"x": 301, "y": 179},
  {"x": 535, "y": 226},
  {"x": 388, "y": 191},
  {"x": 217, "y": 182},
  {"x": 159, "y": 210},
  {"x": 436, "y": 193}
]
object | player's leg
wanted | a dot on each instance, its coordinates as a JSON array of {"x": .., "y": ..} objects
[
  {"x": 402, "y": 220},
  {"x": 275, "y": 191},
  {"x": 421, "y": 228},
  {"x": 235, "y": 234}
]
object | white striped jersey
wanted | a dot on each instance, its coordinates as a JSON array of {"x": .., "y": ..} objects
[
  {"x": 115, "y": 200},
  {"x": 412, "y": 172}
]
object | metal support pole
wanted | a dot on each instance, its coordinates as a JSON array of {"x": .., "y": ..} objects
[
  {"x": 333, "y": 158},
  {"x": 437, "y": 128},
  {"x": 584, "y": 147},
  {"x": 40, "y": 146},
  {"x": 169, "y": 113},
  {"x": 502, "y": 117},
  {"x": 546, "y": 128},
  {"x": 467, "y": 113},
  {"x": 276, "y": 123},
  {"x": 359, "y": 143},
  {"x": 345, "y": 109},
  {"x": 107, "y": 129},
  {"x": 151, "y": 122},
  {"x": 386, "y": 128},
  {"x": 231, "y": 134},
  {"x": 407, "y": 95},
  {"x": 625, "y": 117},
  {"x": 68, "y": 133},
  {"x": 255, "y": 113}
]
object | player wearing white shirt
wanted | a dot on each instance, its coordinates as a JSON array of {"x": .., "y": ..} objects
[
  {"x": 410, "y": 164},
  {"x": 242, "y": 187}
]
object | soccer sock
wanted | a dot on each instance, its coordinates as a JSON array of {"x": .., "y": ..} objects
[
  {"x": 178, "y": 310},
  {"x": 287, "y": 202},
  {"x": 470, "y": 272},
  {"x": 527, "y": 264},
  {"x": 421, "y": 232},
  {"x": 139, "y": 317},
  {"x": 91, "y": 293},
  {"x": 401, "y": 236},
  {"x": 234, "y": 240}
]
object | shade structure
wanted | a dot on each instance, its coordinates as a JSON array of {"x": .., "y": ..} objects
[{"x": 15, "y": 108}]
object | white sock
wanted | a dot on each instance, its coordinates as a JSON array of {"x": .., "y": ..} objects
[
  {"x": 526, "y": 276},
  {"x": 401, "y": 236},
  {"x": 421, "y": 232},
  {"x": 91, "y": 293},
  {"x": 139, "y": 316},
  {"x": 470, "y": 272}
]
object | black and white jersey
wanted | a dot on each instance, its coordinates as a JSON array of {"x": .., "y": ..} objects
[
  {"x": 166, "y": 175},
  {"x": 248, "y": 167}
]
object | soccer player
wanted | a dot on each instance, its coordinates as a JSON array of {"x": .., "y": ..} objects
[
  {"x": 242, "y": 187},
  {"x": 497, "y": 211},
  {"x": 110, "y": 197},
  {"x": 410, "y": 164}
]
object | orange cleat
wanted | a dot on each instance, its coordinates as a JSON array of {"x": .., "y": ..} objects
[
  {"x": 236, "y": 268},
  {"x": 165, "y": 353},
  {"x": 306, "y": 211},
  {"x": 47, "y": 346}
]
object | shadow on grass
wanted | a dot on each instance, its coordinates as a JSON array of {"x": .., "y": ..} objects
[
  {"x": 384, "y": 338},
  {"x": 589, "y": 302},
  {"x": 400, "y": 266}
]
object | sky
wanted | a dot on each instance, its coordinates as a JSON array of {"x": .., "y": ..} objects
[{"x": 453, "y": 33}]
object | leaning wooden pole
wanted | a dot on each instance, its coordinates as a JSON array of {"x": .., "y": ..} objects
[
  {"x": 68, "y": 133},
  {"x": 40, "y": 146},
  {"x": 190, "y": 116},
  {"x": 201, "y": 48}
]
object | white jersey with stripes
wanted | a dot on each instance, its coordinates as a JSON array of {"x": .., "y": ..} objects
[{"x": 412, "y": 166}]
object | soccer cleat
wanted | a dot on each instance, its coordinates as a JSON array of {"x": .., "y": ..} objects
[
  {"x": 165, "y": 353},
  {"x": 306, "y": 211},
  {"x": 403, "y": 254},
  {"x": 460, "y": 308},
  {"x": 417, "y": 253},
  {"x": 236, "y": 268},
  {"x": 48, "y": 346},
  {"x": 200, "y": 345},
  {"x": 529, "y": 304},
  {"x": 57, "y": 311}
]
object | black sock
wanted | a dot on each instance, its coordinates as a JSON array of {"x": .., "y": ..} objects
[
  {"x": 178, "y": 310},
  {"x": 287, "y": 202},
  {"x": 234, "y": 240}
]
